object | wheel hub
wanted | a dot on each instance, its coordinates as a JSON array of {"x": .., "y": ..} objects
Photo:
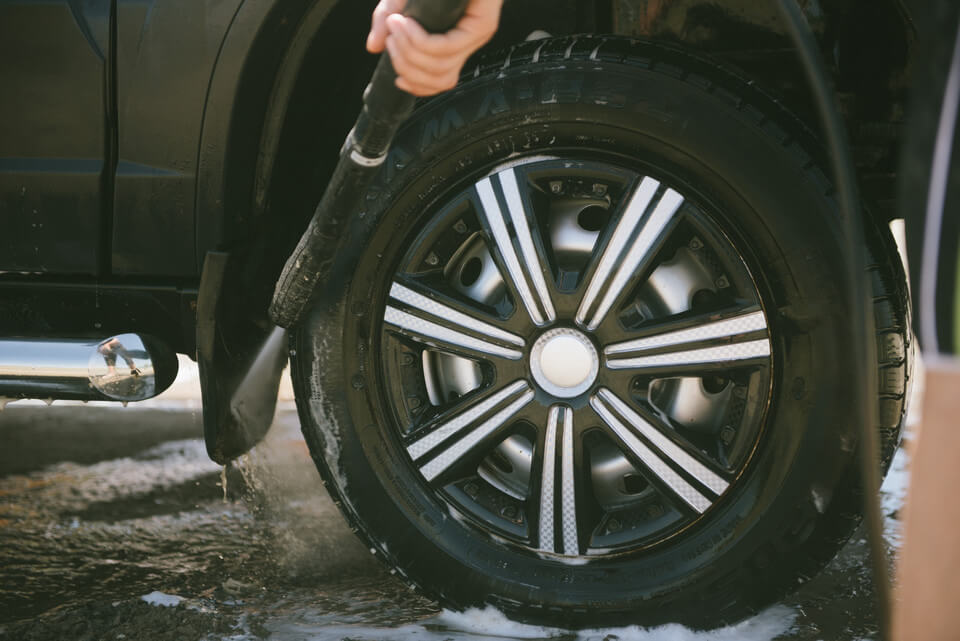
[{"x": 564, "y": 362}]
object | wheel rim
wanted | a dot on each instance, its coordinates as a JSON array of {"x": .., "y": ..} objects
[{"x": 575, "y": 358}]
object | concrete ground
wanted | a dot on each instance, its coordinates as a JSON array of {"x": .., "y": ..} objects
[{"x": 115, "y": 525}]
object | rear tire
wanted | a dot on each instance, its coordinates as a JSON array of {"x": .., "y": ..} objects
[{"x": 756, "y": 219}]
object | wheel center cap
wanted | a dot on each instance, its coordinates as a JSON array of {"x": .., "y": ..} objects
[{"x": 564, "y": 362}]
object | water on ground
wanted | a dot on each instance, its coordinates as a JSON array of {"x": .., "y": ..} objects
[{"x": 114, "y": 524}]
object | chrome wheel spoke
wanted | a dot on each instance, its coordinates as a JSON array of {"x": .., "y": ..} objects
[
  {"x": 628, "y": 251},
  {"x": 658, "y": 453},
  {"x": 427, "y": 320},
  {"x": 736, "y": 340},
  {"x": 557, "y": 514},
  {"x": 524, "y": 269},
  {"x": 453, "y": 437}
]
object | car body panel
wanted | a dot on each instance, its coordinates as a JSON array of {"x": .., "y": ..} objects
[
  {"x": 201, "y": 91},
  {"x": 261, "y": 51},
  {"x": 53, "y": 125},
  {"x": 166, "y": 52}
]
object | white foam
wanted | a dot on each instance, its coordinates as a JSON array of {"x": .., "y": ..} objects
[
  {"x": 489, "y": 624},
  {"x": 769, "y": 624},
  {"x": 490, "y": 621},
  {"x": 893, "y": 494},
  {"x": 161, "y": 599}
]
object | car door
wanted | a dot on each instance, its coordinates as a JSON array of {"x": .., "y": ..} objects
[
  {"x": 54, "y": 133},
  {"x": 165, "y": 55}
]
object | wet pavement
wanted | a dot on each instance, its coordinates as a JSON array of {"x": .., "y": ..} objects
[{"x": 114, "y": 524}]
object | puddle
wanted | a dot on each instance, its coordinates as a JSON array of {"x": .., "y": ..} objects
[{"x": 135, "y": 540}]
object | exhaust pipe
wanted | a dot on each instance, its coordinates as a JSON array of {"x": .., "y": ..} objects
[{"x": 126, "y": 367}]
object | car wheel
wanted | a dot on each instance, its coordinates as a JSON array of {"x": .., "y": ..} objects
[{"x": 583, "y": 355}]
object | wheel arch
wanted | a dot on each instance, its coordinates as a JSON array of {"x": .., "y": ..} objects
[{"x": 289, "y": 79}]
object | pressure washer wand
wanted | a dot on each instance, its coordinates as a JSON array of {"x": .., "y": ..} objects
[
  {"x": 385, "y": 108},
  {"x": 857, "y": 286}
]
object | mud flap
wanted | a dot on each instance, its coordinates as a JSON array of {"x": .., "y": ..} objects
[{"x": 239, "y": 389}]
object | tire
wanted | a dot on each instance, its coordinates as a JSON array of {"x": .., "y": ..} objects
[{"x": 656, "y": 508}]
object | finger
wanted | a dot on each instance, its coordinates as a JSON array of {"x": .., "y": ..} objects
[
  {"x": 449, "y": 80},
  {"x": 473, "y": 30},
  {"x": 378, "y": 26},
  {"x": 487, "y": 11},
  {"x": 414, "y": 80},
  {"x": 428, "y": 63},
  {"x": 443, "y": 84},
  {"x": 456, "y": 41},
  {"x": 414, "y": 76},
  {"x": 411, "y": 89}
]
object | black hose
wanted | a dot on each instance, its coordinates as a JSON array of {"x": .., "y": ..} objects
[
  {"x": 385, "y": 108},
  {"x": 858, "y": 287}
]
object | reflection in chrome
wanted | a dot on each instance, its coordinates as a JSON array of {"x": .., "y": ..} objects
[
  {"x": 119, "y": 368},
  {"x": 460, "y": 447},
  {"x": 726, "y": 328},
  {"x": 128, "y": 383},
  {"x": 677, "y": 484},
  {"x": 491, "y": 212},
  {"x": 674, "y": 452},
  {"x": 443, "y": 337}
]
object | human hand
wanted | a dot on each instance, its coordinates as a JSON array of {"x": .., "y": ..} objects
[{"x": 426, "y": 63}]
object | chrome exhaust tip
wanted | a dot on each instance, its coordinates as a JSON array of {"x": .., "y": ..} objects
[{"x": 125, "y": 367}]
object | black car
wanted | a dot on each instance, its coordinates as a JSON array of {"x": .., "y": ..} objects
[{"x": 582, "y": 354}]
